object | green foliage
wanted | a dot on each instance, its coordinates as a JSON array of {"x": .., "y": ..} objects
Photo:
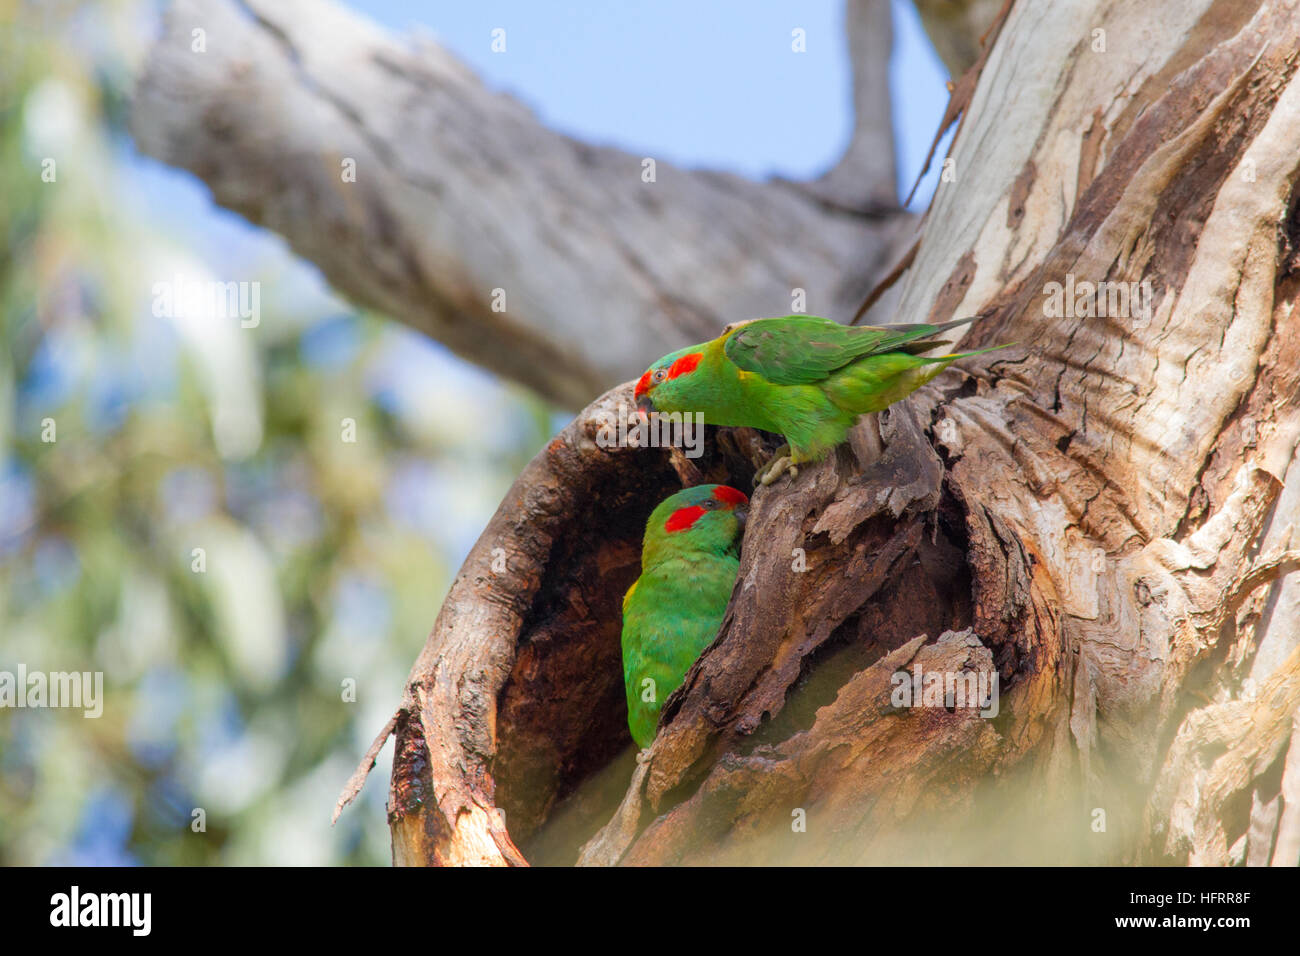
[{"x": 200, "y": 530}]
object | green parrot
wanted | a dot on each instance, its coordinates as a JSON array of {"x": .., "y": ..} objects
[
  {"x": 689, "y": 561},
  {"x": 801, "y": 376}
]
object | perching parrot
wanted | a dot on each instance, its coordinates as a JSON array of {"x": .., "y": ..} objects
[
  {"x": 802, "y": 376},
  {"x": 689, "y": 561}
]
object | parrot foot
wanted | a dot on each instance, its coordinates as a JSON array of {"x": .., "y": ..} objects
[
  {"x": 643, "y": 755},
  {"x": 780, "y": 463}
]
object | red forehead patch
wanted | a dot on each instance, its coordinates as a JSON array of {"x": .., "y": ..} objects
[
  {"x": 685, "y": 364},
  {"x": 730, "y": 495},
  {"x": 683, "y": 518},
  {"x": 642, "y": 386}
]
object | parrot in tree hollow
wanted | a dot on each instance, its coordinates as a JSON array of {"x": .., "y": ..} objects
[
  {"x": 672, "y": 612},
  {"x": 802, "y": 376}
]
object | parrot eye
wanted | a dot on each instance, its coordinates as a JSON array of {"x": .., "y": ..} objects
[
  {"x": 659, "y": 375},
  {"x": 711, "y": 504}
]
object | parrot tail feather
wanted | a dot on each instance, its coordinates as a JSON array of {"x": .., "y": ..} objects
[{"x": 955, "y": 356}]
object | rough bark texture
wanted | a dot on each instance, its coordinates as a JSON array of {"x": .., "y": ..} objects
[{"x": 1103, "y": 516}]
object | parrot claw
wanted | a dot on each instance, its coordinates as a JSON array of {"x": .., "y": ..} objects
[
  {"x": 777, "y": 468},
  {"x": 643, "y": 755},
  {"x": 780, "y": 463}
]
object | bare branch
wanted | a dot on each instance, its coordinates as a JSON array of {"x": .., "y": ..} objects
[{"x": 547, "y": 260}]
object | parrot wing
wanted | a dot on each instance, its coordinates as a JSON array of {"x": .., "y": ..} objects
[
  {"x": 802, "y": 349},
  {"x": 628, "y": 596}
]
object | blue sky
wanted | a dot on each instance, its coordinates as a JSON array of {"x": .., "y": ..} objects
[
  {"x": 705, "y": 85},
  {"x": 715, "y": 87}
]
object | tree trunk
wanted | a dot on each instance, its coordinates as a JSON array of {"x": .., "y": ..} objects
[{"x": 1100, "y": 517}]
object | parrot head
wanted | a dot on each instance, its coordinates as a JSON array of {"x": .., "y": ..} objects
[
  {"x": 666, "y": 385},
  {"x": 708, "y": 518}
]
